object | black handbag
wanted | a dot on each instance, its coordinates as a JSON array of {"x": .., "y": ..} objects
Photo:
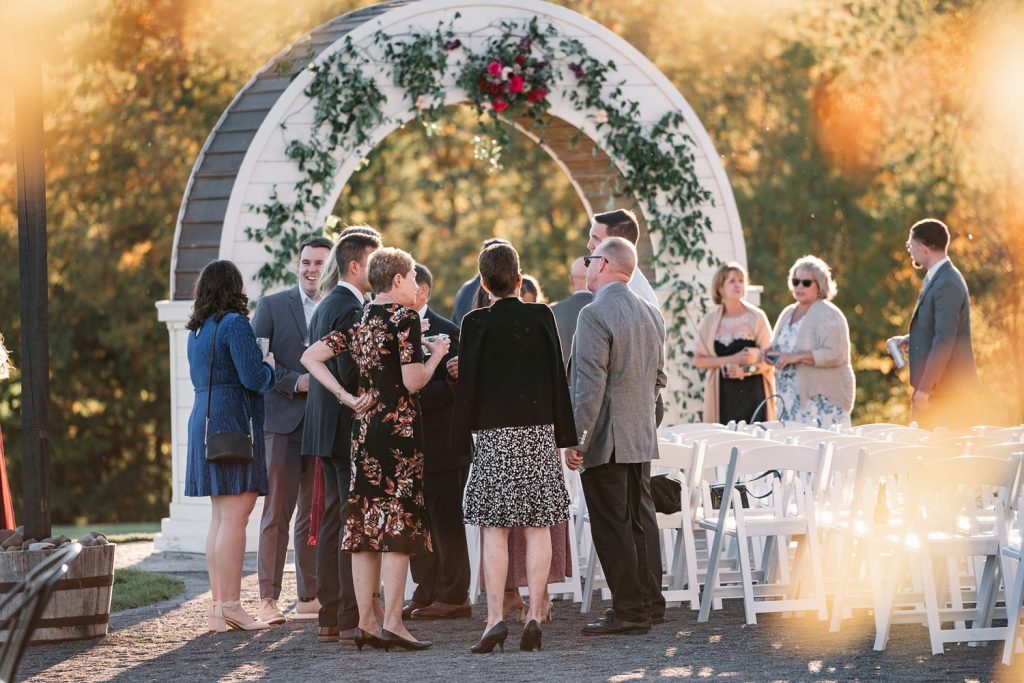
[
  {"x": 667, "y": 494},
  {"x": 226, "y": 448},
  {"x": 718, "y": 490}
]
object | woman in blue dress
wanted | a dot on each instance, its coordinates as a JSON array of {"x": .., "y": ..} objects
[{"x": 240, "y": 376}]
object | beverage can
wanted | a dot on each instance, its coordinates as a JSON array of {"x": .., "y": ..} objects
[
  {"x": 264, "y": 344},
  {"x": 893, "y": 346}
]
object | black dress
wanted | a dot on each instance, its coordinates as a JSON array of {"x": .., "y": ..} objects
[
  {"x": 738, "y": 398},
  {"x": 386, "y": 508}
]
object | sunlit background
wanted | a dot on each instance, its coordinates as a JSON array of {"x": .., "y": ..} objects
[{"x": 839, "y": 125}]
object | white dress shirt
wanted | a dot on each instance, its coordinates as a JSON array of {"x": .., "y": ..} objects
[{"x": 931, "y": 271}]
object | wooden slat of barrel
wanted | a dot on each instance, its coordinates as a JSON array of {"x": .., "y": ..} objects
[{"x": 79, "y": 607}]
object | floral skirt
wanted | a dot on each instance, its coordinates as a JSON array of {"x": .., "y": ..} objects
[{"x": 516, "y": 479}]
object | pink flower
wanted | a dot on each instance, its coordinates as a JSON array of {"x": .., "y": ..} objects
[
  {"x": 494, "y": 69},
  {"x": 601, "y": 116},
  {"x": 421, "y": 102},
  {"x": 500, "y": 104},
  {"x": 516, "y": 83}
]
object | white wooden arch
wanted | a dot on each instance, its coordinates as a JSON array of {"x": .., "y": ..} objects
[{"x": 244, "y": 161}]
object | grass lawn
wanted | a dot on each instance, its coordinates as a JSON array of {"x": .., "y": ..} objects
[{"x": 134, "y": 588}]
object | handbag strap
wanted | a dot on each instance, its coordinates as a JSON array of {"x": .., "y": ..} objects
[{"x": 209, "y": 390}]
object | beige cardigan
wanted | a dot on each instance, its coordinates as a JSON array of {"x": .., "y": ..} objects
[
  {"x": 705, "y": 346},
  {"x": 825, "y": 333}
]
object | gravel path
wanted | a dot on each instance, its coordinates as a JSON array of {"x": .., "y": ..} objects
[{"x": 168, "y": 642}]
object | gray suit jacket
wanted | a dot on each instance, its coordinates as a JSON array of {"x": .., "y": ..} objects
[
  {"x": 280, "y": 318},
  {"x": 618, "y": 368},
  {"x": 941, "y": 354},
  {"x": 566, "y": 313}
]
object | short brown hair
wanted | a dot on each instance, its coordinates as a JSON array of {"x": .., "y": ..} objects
[
  {"x": 352, "y": 247},
  {"x": 931, "y": 232},
  {"x": 721, "y": 275},
  {"x": 384, "y": 265},
  {"x": 620, "y": 223},
  {"x": 499, "y": 269}
]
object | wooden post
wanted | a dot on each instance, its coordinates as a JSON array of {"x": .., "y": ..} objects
[{"x": 35, "y": 353}]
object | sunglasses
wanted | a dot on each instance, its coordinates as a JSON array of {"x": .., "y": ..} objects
[
  {"x": 588, "y": 259},
  {"x": 797, "y": 282}
]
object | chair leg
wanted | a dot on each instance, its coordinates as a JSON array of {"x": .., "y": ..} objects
[
  {"x": 817, "y": 575},
  {"x": 845, "y": 559},
  {"x": 710, "y": 579},
  {"x": 749, "y": 608},
  {"x": 588, "y": 583},
  {"x": 931, "y": 603},
  {"x": 1014, "y": 595},
  {"x": 885, "y": 597}
]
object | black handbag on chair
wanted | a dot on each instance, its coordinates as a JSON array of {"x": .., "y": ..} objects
[{"x": 226, "y": 448}]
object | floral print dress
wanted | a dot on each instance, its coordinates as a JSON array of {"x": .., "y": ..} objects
[
  {"x": 814, "y": 410},
  {"x": 386, "y": 508}
]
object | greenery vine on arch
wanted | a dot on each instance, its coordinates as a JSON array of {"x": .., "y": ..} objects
[{"x": 520, "y": 66}]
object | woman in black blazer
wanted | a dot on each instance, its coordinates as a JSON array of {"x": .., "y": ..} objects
[{"x": 512, "y": 396}]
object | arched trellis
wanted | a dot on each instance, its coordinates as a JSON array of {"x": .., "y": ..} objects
[{"x": 244, "y": 161}]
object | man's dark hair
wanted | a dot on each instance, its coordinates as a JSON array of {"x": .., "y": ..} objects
[
  {"x": 620, "y": 223},
  {"x": 352, "y": 247},
  {"x": 317, "y": 242},
  {"x": 499, "y": 269},
  {"x": 360, "y": 230},
  {"x": 931, "y": 232},
  {"x": 218, "y": 292},
  {"x": 423, "y": 276},
  {"x": 495, "y": 240}
]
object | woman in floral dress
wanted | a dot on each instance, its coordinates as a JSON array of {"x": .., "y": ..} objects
[{"x": 387, "y": 519}]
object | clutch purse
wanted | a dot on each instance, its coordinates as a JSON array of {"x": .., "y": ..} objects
[{"x": 225, "y": 448}]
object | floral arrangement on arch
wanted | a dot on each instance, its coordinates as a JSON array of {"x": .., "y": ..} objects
[{"x": 512, "y": 74}]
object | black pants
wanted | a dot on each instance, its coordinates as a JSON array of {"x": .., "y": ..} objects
[
  {"x": 333, "y": 566},
  {"x": 443, "y": 575},
  {"x": 615, "y": 495}
]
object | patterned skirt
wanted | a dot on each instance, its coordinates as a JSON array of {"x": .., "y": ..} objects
[{"x": 516, "y": 479}]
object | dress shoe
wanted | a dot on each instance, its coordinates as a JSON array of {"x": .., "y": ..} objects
[
  {"x": 361, "y": 638},
  {"x": 307, "y": 609},
  {"x": 347, "y": 634},
  {"x": 411, "y": 607},
  {"x": 390, "y": 640},
  {"x": 443, "y": 610},
  {"x": 270, "y": 613},
  {"x": 531, "y": 637},
  {"x": 495, "y": 635},
  {"x": 237, "y": 618},
  {"x": 660, "y": 619},
  {"x": 610, "y": 624},
  {"x": 326, "y": 634}
]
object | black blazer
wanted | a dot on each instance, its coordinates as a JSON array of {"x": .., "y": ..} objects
[
  {"x": 436, "y": 400},
  {"x": 327, "y": 431},
  {"x": 511, "y": 373}
]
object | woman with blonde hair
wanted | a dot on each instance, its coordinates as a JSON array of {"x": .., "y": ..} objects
[
  {"x": 731, "y": 341},
  {"x": 814, "y": 374}
]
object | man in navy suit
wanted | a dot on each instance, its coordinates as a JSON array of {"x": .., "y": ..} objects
[
  {"x": 442, "y": 577},
  {"x": 942, "y": 369},
  {"x": 328, "y": 433},
  {"x": 284, "y": 318}
]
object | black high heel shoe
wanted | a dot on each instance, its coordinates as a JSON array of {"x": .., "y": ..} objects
[
  {"x": 361, "y": 638},
  {"x": 390, "y": 640},
  {"x": 496, "y": 635},
  {"x": 531, "y": 637}
]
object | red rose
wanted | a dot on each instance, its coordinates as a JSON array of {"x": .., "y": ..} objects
[
  {"x": 536, "y": 94},
  {"x": 494, "y": 69},
  {"x": 500, "y": 104},
  {"x": 515, "y": 84},
  {"x": 520, "y": 59}
]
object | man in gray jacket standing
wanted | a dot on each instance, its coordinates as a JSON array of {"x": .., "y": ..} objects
[{"x": 617, "y": 370}]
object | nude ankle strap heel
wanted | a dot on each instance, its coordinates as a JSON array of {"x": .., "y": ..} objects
[
  {"x": 215, "y": 618},
  {"x": 237, "y": 618}
]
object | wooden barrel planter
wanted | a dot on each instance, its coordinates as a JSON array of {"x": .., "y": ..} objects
[{"x": 79, "y": 607}]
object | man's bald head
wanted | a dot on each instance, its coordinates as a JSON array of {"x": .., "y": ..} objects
[
  {"x": 620, "y": 253},
  {"x": 578, "y": 275}
]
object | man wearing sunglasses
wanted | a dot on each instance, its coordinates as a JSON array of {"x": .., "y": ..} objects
[
  {"x": 942, "y": 369},
  {"x": 616, "y": 371}
]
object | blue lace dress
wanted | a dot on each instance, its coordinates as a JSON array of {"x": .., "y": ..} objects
[
  {"x": 240, "y": 378},
  {"x": 814, "y": 410}
]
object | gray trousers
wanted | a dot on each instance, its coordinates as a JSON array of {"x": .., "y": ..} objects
[{"x": 290, "y": 477}]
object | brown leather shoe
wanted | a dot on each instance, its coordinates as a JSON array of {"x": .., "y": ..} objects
[
  {"x": 442, "y": 610},
  {"x": 347, "y": 634},
  {"x": 410, "y": 607},
  {"x": 326, "y": 634}
]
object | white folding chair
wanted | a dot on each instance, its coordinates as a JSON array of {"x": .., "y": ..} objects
[
  {"x": 957, "y": 499},
  {"x": 680, "y": 462},
  {"x": 791, "y": 514}
]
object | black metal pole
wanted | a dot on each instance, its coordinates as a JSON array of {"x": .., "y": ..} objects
[{"x": 35, "y": 353}]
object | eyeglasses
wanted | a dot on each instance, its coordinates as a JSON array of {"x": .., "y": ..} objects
[
  {"x": 797, "y": 282},
  {"x": 588, "y": 259}
]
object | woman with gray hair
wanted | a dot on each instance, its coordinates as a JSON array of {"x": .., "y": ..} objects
[{"x": 814, "y": 375}]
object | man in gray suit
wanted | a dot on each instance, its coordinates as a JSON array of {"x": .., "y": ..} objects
[
  {"x": 942, "y": 369},
  {"x": 618, "y": 368},
  {"x": 568, "y": 310}
]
